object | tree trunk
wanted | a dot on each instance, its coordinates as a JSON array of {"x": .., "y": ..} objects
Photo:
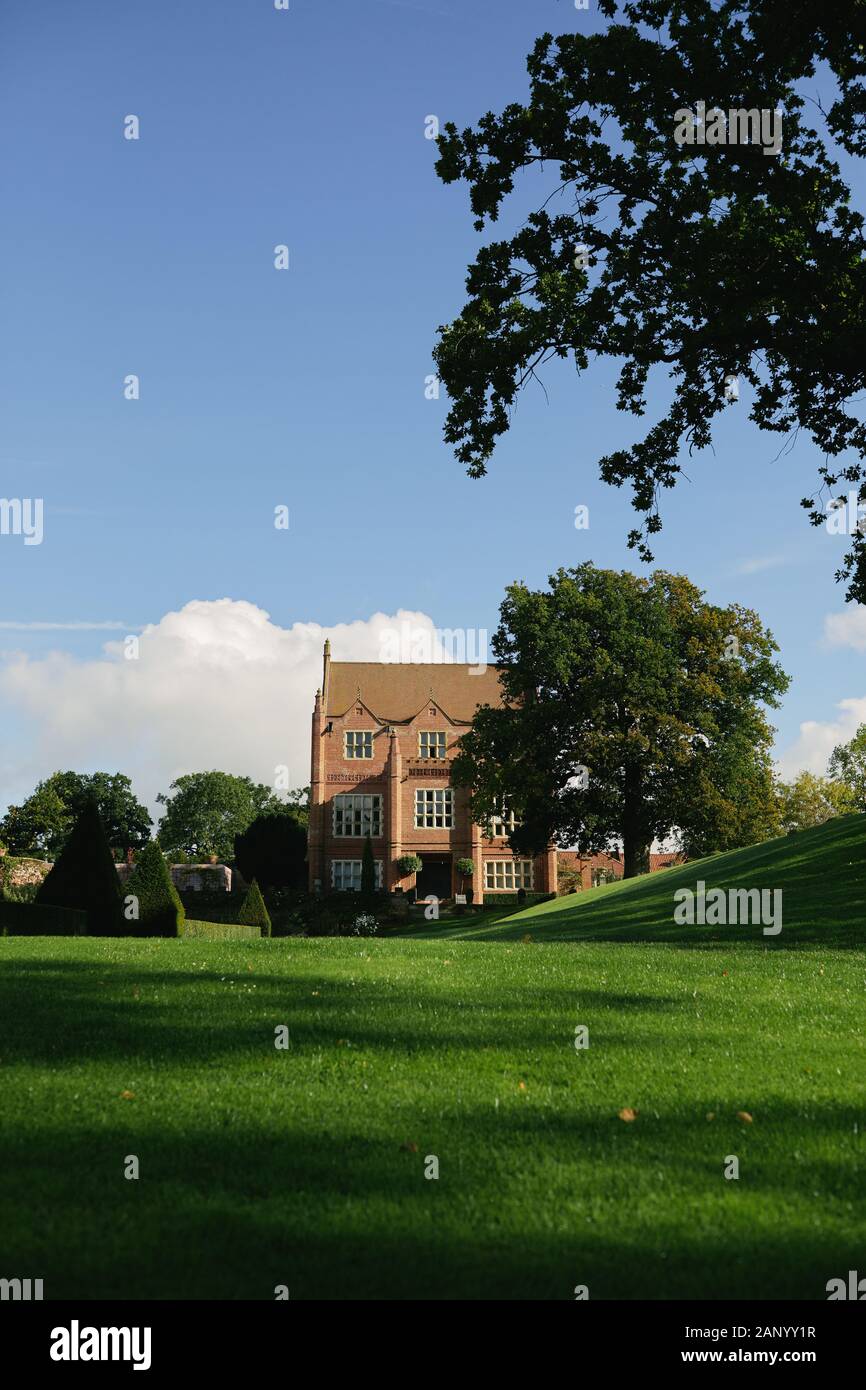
[
  {"x": 635, "y": 856},
  {"x": 635, "y": 850}
]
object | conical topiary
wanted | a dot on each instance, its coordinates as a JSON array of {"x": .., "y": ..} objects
[
  {"x": 253, "y": 912},
  {"x": 84, "y": 877},
  {"x": 160, "y": 910},
  {"x": 368, "y": 870}
]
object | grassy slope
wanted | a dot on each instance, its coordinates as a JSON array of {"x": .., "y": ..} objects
[
  {"x": 822, "y": 874},
  {"x": 261, "y": 1167}
]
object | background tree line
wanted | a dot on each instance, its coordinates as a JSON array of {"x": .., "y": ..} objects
[{"x": 207, "y": 815}]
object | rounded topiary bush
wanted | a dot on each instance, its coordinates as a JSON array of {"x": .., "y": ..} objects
[
  {"x": 253, "y": 912},
  {"x": 155, "y": 898}
]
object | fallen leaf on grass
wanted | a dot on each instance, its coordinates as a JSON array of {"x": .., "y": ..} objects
[
  {"x": 744, "y": 1116},
  {"x": 409, "y": 1148},
  {"x": 127, "y": 1095},
  {"x": 628, "y": 1114},
  {"x": 521, "y": 1085}
]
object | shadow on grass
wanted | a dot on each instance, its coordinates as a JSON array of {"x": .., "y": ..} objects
[
  {"x": 222, "y": 1214},
  {"x": 62, "y": 1012}
]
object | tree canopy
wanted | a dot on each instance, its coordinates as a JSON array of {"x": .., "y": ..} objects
[
  {"x": 42, "y": 824},
  {"x": 848, "y": 766},
  {"x": 633, "y": 708},
  {"x": 810, "y": 800},
  {"x": 206, "y": 810},
  {"x": 700, "y": 262},
  {"x": 273, "y": 849}
]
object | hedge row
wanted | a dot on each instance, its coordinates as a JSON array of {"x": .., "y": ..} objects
[
  {"x": 219, "y": 931},
  {"x": 41, "y": 919},
  {"x": 492, "y": 899}
]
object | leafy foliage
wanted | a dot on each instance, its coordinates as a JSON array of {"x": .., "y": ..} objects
[
  {"x": 208, "y": 809},
  {"x": 84, "y": 876},
  {"x": 160, "y": 910},
  {"x": 848, "y": 766},
  {"x": 628, "y": 715},
  {"x": 42, "y": 823},
  {"x": 697, "y": 261},
  {"x": 810, "y": 800}
]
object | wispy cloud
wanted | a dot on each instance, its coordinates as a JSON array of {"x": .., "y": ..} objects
[
  {"x": 760, "y": 562},
  {"x": 9, "y": 625}
]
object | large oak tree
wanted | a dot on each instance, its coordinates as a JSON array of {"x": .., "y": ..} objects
[
  {"x": 42, "y": 824},
  {"x": 633, "y": 708},
  {"x": 693, "y": 262}
]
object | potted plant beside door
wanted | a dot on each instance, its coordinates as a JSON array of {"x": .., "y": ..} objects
[
  {"x": 409, "y": 864},
  {"x": 466, "y": 868}
]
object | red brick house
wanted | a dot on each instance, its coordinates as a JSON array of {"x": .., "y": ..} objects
[
  {"x": 593, "y": 869},
  {"x": 383, "y": 739}
]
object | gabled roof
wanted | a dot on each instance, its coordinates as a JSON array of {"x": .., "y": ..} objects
[{"x": 397, "y": 691}]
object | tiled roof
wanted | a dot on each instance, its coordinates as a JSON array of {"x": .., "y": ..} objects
[
  {"x": 666, "y": 860},
  {"x": 395, "y": 691}
]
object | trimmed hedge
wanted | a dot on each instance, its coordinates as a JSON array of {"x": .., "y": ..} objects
[
  {"x": 219, "y": 931},
  {"x": 84, "y": 876},
  {"x": 41, "y": 919},
  {"x": 253, "y": 912},
  {"x": 492, "y": 899},
  {"x": 160, "y": 910}
]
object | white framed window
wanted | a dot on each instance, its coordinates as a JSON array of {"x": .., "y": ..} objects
[
  {"x": 358, "y": 743},
  {"x": 431, "y": 744},
  {"x": 434, "y": 808},
  {"x": 507, "y": 875},
  {"x": 357, "y": 815},
  {"x": 503, "y": 822},
  {"x": 346, "y": 875}
]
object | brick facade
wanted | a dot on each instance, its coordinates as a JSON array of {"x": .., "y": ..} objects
[{"x": 404, "y": 721}]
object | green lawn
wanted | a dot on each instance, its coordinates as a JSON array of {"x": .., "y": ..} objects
[
  {"x": 262, "y": 1167},
  {"x": 822, "y": 875}
]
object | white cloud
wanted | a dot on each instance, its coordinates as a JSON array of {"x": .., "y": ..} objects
[
  {"x": 216, "y": 685},
  {"x": 816, "y": 740},
  {"x": 758, "y": 563},
  {"x": 7, "y": 625},
  {"x": 847, "y": 629}
]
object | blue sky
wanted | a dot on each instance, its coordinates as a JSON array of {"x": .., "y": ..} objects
[{"x": 306, "y": 387}]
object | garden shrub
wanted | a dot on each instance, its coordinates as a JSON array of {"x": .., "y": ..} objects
[
  {"x": 253, "y": 912},
  {"x": 365, "y": 924},
  {"x": 219, "y": 931},
  {"x": 160, "y": 910},
  {"x": 84, "y": 877},
  {"x": 272, "y": 850},
  {"x": 511, "y": 899},
  {"x": 19, "y": 892},
  {"x": 368, "y": 871},
  {"x": 40, "y": 919}
]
